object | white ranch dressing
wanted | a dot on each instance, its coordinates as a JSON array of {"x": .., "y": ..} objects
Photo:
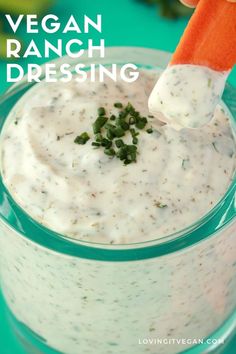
[
  {"x": 80, "y": 192},
  {"x": 187, "y": 95}
]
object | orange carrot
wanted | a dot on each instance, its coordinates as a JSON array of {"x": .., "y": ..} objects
[{"x": 210, "y": 37}]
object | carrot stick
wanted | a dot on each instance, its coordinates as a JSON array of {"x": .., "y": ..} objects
[{"x": 210, "y": 37}]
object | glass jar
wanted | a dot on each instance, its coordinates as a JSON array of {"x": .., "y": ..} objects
[{"x": 168, "y": 295}]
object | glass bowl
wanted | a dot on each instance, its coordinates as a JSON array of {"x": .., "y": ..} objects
[{"x": 167, "y": 295}]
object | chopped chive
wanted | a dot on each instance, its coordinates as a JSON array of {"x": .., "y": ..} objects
[
  {"x": 149, "y": 130},
  {"x": 123, "y": 114},
  {"x": 98, "y": 124},
  {"x": 110, "y": 134},
  {"x": 120, "y": 122},
  {"x": 133, "y": 156},
  {"x": 141, "y": 123},
  {"x": 131, "y": 148},
  {"x": 122, "y": 153},
  {"x": 119, "y": 132},
  {"x": 133, "y": 132},
  {"x": 116, "y": 126},
  {"x": 101, "y": 111},
  {"x": 98, "y": 137},
  {"x": 109, "y": 126},
  {"x": 106, "y": 143},
  {"x": 118, "y": 105},
  {"x": 110, "y": 131},
  {"x": 129, "y": 108},
  {"x": 82, "y": 138},
  {"x": 135, "y": 114},
  {"x": 127, "y": 153},
  {"x": 94, "y": 143},
  {"x": 109, "y": 152},
  {"x": 127, "y": 162},
  {"x": 119, "y": 143},
  {"x": 125, "y": 125}
]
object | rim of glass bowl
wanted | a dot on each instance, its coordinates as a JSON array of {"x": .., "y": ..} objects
[{"x": 218, "y": 218}]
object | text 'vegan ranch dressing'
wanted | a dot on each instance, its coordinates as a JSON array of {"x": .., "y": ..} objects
[{"x": 79, "y": 191}]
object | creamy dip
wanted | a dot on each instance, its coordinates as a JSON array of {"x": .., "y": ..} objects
[
  {"x": 187, "y": 95},
  {"x": 79, "y": 191}
]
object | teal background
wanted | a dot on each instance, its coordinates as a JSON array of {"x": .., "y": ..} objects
[{"x": 125, "y": 23}]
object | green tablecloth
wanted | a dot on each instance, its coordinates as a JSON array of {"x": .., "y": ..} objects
[{"x": 125, "y": 23}]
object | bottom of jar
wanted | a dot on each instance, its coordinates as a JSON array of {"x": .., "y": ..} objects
[{"x": 219, "y": 342}]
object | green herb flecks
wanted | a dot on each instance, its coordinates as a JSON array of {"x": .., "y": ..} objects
[
  {"x": 109, "y": 152},
  {"x": 127, "y": 153},
  {"x": 160, "y": 205},
  {"x": 110, "y": 129},
  {"x": 214, "y": 146},
  {"x": 98, "y": 124},
  {"x": 118, "y": 105},
  {"x": 185, "y": 163},
  {"x": 149, "y": 130},
  {"x": 119, "y": 143},
  {"x": 82, "y": 138},
  {"x": 101, "y": 111},
  {"x": 141, "y": 122}
]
